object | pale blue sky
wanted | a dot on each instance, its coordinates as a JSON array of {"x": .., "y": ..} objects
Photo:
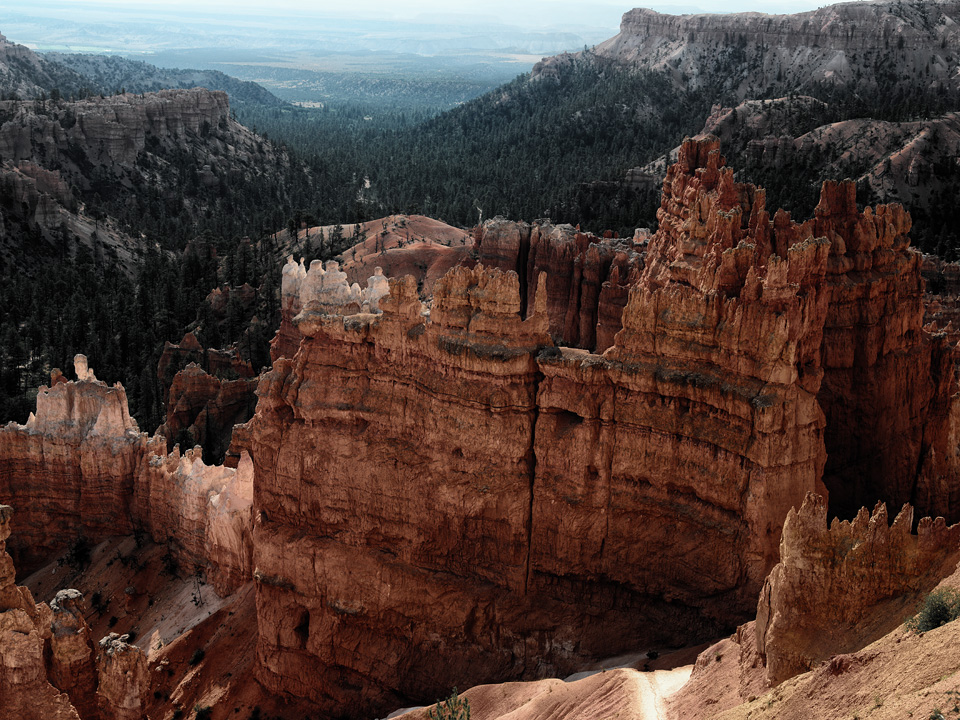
[{"x": 528, "y": 13}]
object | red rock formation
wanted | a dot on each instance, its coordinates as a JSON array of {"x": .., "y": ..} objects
[
  {"x": 418, "y": 406},
  {"x": 203, "y": 403},
  {"x": 84, "y": 473},
  {"x": 887, "y": 384},
  {"x": 201, "y": 512},
  {"x": 837, "y": 589},
  {"x": 123, "y": 679},
  {"x": 693, "y": 434},
  {"x": 71, "y": 467},
  {"x": 24, "y": 626},
  {"x": 587, "y": 277},
  {"x": 688, "y": 426},
  {"x": 202, "y": 410},
  {"x": 619, "y": 437},
  {"x": 176, "y": 357},
  {"x": 71, "y": 666}
]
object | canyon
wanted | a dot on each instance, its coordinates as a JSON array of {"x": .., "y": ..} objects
[{"x": 575, "y": 447}]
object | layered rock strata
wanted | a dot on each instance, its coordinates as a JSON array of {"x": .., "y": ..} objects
[
  {"x": 418, "y": 407},
  {"x": 201, "y": 512},
  {"x": 374, "y": 523},
  {"x": 837, "y": 589},
  {"x": 703, "y": 416},
  {"x": 587, "y": 277},
  {"x": 84, "y": 472},
  {"x": 436, "y": 493},
  {"x": 71, "y": 467}
]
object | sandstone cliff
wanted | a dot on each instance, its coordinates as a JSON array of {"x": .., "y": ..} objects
[
  {"x": 587, "y": 277},
  {"x": 71, "y": 467},
  {"x": 563, "y": 437},
  {"x": 887, "y": 384},
  {"x": 436, "y": 492}
]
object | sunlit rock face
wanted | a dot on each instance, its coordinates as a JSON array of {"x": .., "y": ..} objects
[
  {"x": 201, "y": 512},
  {"x": 321, "y": 289},
  {"x": 838, "y": 588}
]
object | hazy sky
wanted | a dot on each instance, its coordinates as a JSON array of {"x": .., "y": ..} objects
[{"x": 530, "y": 13}]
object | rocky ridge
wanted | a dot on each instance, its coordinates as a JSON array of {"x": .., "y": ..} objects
[
  {"x": 67, "y": 160},
  {"x": 587, "y": 277},
  {"x": 752, "y": 54}
]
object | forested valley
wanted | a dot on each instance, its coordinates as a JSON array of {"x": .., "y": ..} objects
[{"x": 555, "y": 146}]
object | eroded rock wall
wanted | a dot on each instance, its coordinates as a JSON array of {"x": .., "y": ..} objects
[
  {"x": 203, "y": 409},
  {"x": 445, "y": 497},
  {"x": 456, "y": 500},
  {"x": 887, "y": 383},
  {"x": 201, "y": 512},
  {"x": 70, "y": 467},
  {"x": 699, "y": 429},
  {"x": 838, "y": 588},
  {"x": 24, "y": 628},
  {"x": 116, "y": 126},
  {"x": 366, "y": 447},
  {"x": 83, "y": 472},
  {"x": 587, "y": 277}
]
